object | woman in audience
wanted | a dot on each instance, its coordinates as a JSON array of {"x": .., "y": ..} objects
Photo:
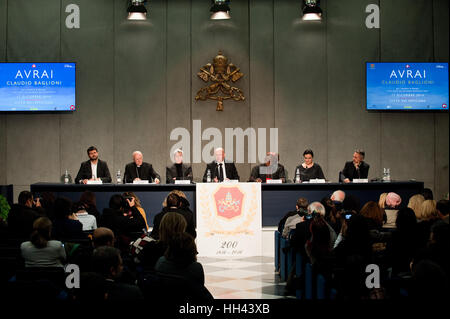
[
  {"x": 180, "y": 259},
  {"x": 138, "y": 205},
  {"x": 374, "y": 215},
  {"x": 318, "y": 247},
  {"x": 382, "y": 201},
  {"x": 146, "y": 251},
  {"x": 427, "y": 216},
  {"x": 393, "y": 202},
  {"x": 90, "y": 203},
  {"x": 41, "y": 251},
  {"x": 404, "y": 243},
  {"x": 66, "y": 225},
  {"x": 415, "y": 202}
]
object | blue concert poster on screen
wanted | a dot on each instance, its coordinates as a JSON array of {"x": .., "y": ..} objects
[
  {"x": 407, "y": 86},
  {"x": 37, "y": 86}
]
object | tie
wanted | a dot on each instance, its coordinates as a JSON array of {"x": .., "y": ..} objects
[{"x": 220, "y": 173}]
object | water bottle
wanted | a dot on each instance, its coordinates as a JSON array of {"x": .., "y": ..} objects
[
  {"x": 386, "y": 174},
  {"x": 297, "y": 176},
  {"x": 66, "y": 177},
  {"x": 118, "y": 177},
  {"x": 208, "y": 176}
]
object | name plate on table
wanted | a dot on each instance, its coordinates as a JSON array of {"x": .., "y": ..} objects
[
  {"x": 143, "y": 181},
  {"x": 94, "y": 182},
  {"x": 317, "y": 181},
  {"x": 360, "y": 180},
  {"x": 231, "y": 181},
  {"x": 274, "y": 181},
  {"x": 182, "y": 181},
  {"x": 229, "y": 219}
]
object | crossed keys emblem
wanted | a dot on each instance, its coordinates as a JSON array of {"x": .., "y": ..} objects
[{"x": 220, "y": 72}]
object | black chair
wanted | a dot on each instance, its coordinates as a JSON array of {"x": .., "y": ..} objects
[
  {"x": 163, "y": 287},
  {"x": 39, "y": 283}
]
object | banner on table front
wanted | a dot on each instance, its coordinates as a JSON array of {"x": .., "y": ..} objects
[{"x": 229, "y": 219}]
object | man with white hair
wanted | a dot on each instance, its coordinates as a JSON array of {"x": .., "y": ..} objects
[
  {"x": 338, "y": 196},
  {"x": 139, "y": 170},
  {"x": 220, "y": 169},
  {"x": 178, "y": 170},
  {"x": 302, "y": 231}
]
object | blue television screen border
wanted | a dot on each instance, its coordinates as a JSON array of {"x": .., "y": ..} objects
[
  {"x": 75, "y": 106},
  {"x": 422, "y": 110}
]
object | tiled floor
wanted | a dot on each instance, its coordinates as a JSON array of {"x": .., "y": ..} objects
[{"x": 243, "y": 278}]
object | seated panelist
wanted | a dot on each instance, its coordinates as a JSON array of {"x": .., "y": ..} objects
[
  {"x": 220, "y": 169},
  {"x": 356, "y": 168},
  {"x": 94, "y": 169},
  {"x": 271, "y": 169},
  {"x": 309, "y": 169},
  {"x": 139, "y": 170},
  {"x": 179, "y": 170}
]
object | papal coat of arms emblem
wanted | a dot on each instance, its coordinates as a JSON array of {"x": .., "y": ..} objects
[{"x": 229, "y": 201}]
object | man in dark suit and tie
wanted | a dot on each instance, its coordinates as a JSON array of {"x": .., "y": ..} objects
[
  {"x": 220, "y": 169},
  {"x": 179, "y": 170},
  {"x": 93, "y": 169},
  {"x": 139, "y": 170},
  {"x": 356, "y": 168}
]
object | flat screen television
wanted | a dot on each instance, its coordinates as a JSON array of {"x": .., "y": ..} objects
[
  {"x": 37, "y": 87},
  {"x": 406, "y": 86}
]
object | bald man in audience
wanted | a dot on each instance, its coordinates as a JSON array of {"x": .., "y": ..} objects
[
  {"x": 138, "y": 170},
  {"x": 338, "y": 196},
  {"x": 103, "y": 236}
]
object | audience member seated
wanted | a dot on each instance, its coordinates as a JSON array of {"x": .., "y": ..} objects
[
  {"x": 47, "y": 202},
  {"x": 302, "y": 232},
  {"x": 393, "y": 202},
  {"x": 374, "y": 215},
  {"x": 89, "y": 201},
  {"x": 430, "y": 282},
  {"x": 443, "y": 209},
  {"x": 41, "y": 251},
  {"x": 66, "y": 225},
  {"x": 174, "y": 204},
  {"x": 146, "y": 251},
  {"x": 180, "y": 259},
  {"x": 415, "y": 202},
  {"x": 427, "y": 194},
  {"x": 338, "y": 196},
  {"x": 22, "y": 215},
  {"x": 82, "y": 254},
  {"x": 137, "y": 203},
  {"x": 332, "y": 213},
  {"x": 318, "y": 247},
  {"x": 351, "y": 203},
  {"x": 427, "y": 217},
  {"x": 404, "y": 244},
  {"x": 291, "y": 219},
  {"x": 89, "y": 221},
  {"x": 107, "y": 262},
  {"x": 382, "y": 201},
  {"x": 353, "y": 253},
  {"x": 123, "y": 218}
]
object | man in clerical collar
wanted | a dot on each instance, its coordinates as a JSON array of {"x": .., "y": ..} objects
[
  {"x": 220, "y": 169},
  {"x": 138, "y": 170}
]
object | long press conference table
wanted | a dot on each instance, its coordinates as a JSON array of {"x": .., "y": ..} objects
[{"x": 277, "y": 199}]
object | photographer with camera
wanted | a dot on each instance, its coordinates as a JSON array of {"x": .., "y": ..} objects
[
  {"x": 123, "y": 218},
  {"x": 291, "y": 219}
]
